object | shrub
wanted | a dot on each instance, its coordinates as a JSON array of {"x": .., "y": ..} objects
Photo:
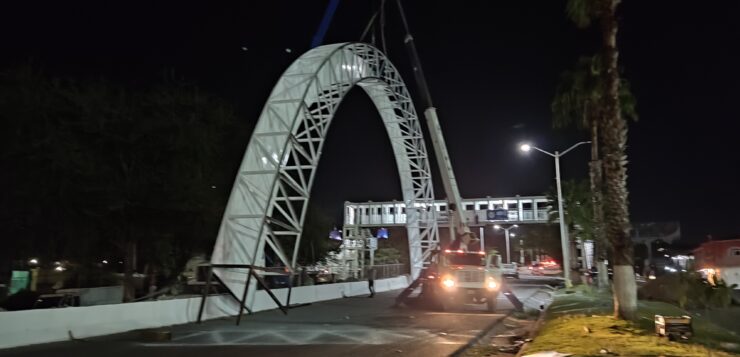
[
  {"x": 22, "y": 300},
  {"x": 688, "y": 290}
]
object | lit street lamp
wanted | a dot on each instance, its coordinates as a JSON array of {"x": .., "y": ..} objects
[
  {"x": 563, "y": 232},
  {"x": 506, "y": 233}
]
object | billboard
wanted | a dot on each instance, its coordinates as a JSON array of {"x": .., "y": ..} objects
[{"x": 498, "y": 214}]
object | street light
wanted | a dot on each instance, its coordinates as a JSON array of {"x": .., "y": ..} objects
[
  {"x": 563, "y": 233},
  {"x": 506, "y": 233}
]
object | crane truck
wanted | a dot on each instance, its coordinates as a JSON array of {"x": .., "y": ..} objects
[{"x": 457, "y": 275}]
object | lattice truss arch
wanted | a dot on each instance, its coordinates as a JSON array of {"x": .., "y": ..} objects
[{"x": 268, "y": 201}]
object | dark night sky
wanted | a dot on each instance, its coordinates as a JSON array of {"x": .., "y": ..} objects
[{"x": 492, "y": 67}]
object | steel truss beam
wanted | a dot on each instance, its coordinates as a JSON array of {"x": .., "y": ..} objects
[{"x": 267, "y": 205}]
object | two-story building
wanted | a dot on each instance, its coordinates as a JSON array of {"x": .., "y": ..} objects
[{"x": 719, "y": 259}]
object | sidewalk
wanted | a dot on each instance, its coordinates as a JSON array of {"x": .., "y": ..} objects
[{"x": 581, "y": 323}]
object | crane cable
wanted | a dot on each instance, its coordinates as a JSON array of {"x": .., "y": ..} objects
[
  {"x": 371, "y": 25},
  {"x": 382, "y": 27},
  {"x": 421, "y": 81}
]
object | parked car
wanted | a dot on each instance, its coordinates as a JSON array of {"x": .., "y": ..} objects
[
  {"x": 510, "y": 270},
  {"x": 536, "y": 269},
  {"x": 322, "y": 277}
]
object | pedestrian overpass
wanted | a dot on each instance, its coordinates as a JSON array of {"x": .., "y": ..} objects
[{"x": 478, "y": 212}]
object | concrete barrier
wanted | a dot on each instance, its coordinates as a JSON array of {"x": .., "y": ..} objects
[{"x": 21, "y": 328}]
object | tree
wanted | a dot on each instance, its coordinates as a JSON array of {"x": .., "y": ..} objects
[
  {"x": 315, "y": 243},
  {"x": 388, "y": 255},
  {"x": 151, "y": 165},
  {"x": 577, "y": 102},
  {"x": 612, "y": 130},
  {"x": 101, "y": 170},
  {"x": 577, "y": 210},
  {"x": 541, "y": 239}
]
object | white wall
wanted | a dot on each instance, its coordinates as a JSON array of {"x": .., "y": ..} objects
[
  {"x": 731, "y": 275},
  {"x": 20, "y": 328}
]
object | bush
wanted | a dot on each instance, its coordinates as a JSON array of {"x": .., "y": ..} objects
[
  {"x": 688, "y": 290},
  {"x": 22, "y": 300},
  {"x": 721, "y": 295}
]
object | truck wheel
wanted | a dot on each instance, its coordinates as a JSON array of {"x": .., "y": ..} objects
[
  {"x": 446, "y": 303},
  {"x": 491, "y": 303}
]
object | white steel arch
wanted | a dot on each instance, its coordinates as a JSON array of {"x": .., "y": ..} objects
[{"x": 268, "y": 201}]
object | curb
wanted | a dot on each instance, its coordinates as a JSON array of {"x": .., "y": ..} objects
[
  {"x": 533, "y": 334},
  {"x": 484, "y": 332},
  {"x": 480, "y": 335}
]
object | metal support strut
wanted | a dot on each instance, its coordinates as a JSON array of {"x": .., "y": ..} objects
[{"x": 243, "y": 301}]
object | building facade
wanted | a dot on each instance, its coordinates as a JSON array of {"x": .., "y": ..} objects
[{"x": 719, "y": 259}]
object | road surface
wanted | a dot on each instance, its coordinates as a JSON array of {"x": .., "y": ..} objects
[{"x": 356, "y": 326}]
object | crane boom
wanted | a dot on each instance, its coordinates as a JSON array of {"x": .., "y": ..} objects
[
  {"x": 454, "y": 202},
  {"x": 455, "y": 208}
]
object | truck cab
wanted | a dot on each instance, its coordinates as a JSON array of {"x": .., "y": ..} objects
[{"x": 463, "y": 277}]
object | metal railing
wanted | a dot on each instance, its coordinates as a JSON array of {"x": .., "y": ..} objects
[
  {"x": 328, "y": 275},
  {"x": 390, "y": 270}
]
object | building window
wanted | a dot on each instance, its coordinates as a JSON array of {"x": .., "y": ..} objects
[
  {"x": 403, "y": 210},
  {"x": 442, "y": 208},
  {"x": 392, "y": 210},
  {"x": 735, "y": 252},
  {"x": 380, "y": 210},
  {"x": 484, "y": 206},
  {"x": 469, "y": 207}
]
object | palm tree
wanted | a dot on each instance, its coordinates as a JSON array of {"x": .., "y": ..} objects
[
  {"x": 577, "y": 102},
  {"x": 612, "y": 130},
  {"x": 577, "y": 210}
]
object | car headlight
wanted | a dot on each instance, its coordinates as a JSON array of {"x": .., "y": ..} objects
[
  {"x": 448, "y": 282},
  {"x": 492, "y": 284}
]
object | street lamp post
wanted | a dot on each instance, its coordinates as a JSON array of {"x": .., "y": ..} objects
[
  {"x": 563, "y": 229},
  {"x": 521, "y": 252},
  {"x": 506, "y": 233}
]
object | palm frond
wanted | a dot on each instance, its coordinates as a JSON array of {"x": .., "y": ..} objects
[
  {"x": 577, "y": 94},
  {"x": 577, "y": 207},
  {"x": 582, "y": 12},
  {"x": 627, "y": 101}
]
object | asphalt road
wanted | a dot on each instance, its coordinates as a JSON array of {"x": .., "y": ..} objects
[{"x": 358, "y": 326}]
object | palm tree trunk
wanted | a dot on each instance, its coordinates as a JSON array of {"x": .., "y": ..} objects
[
  {"x": 614, "y": 138},
  {"x": 596, "y": 176}
]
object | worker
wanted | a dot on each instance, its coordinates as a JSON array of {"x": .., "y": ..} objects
[{"x": 370, "y": 273}]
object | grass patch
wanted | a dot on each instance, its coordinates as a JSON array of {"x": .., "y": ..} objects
[
  {"x": 481, "y": 351},
  {"x": 570, "y": 315}
]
